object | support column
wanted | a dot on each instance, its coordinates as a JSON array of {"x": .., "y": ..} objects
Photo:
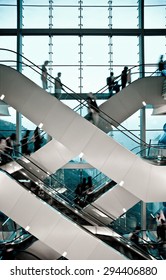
[
  {"x": 110, "y": 53},
  {"x": 80, "y": 53},
  {"x": 143, "y": 110},
  {"x": 19, "y": 65}
]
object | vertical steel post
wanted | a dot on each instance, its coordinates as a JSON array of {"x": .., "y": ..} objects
[{"x": 19, "y": 65}]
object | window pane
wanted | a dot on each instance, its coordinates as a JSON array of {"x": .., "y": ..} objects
[
  {"x": 35, "y": 17},
  {"x": 154, "y": 126},
  {"x": 125, "y": 17},
  {"x": 66, "y": 17},
  {"x": 152, "y": 57},
  {"x": 35, "y": 54},
  {"x": 158, "y": 16},
  {"x": 8, "y": 14},
  {"x": 122, "y": 56},
  {"x": 8, "y": 56},
  {"x": 96, "y": 64},
  {"x": 95, "y": 17},
  {"x": 125, "y": 2}
]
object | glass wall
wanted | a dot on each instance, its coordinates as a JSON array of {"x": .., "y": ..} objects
[
  {"x": 155, "y": 14},
  {"x": 76, "y": 37},
  {"x": 157, "y": 43},
  {"x": 8, "y": 47},
  {"x": 83, "y": 40},
  {"x": 8, "y": 14}
]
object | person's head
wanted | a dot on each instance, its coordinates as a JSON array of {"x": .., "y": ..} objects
[
  {"x": 90, "y": 94},
  {"x": 158, "y": 215},
  {"x": 13, "y": 136},
  {"x": 137, "y": 228},
  {"x": 27, "y": 132},
  {"x": 46, "y": 62},
  {"x": 59, "y": 74},
  {"x": 111, "y": 74},
  {"x": 37, "y": 129},
  {"x": 89, "y": 100},
  {"x": 125, "y": 68},
  {"x": 162, "y": 221}
]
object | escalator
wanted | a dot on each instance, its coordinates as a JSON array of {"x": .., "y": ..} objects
[
  {"x": 46, "y": 214},
  {"x": 136, "y": 175},
  {"x": 145, "y": 91}
]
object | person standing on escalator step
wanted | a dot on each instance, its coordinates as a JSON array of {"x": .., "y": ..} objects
[
  {"x": 110, "y": 83},
  {"x": 135, "y": 235},
  {"x": 44, "y": 75},
  {"x": 93, "y": 109},
  {"x": 37, "y": 139},
  {"x": 24, "y": 143},
  {"x": 124, "y": 77},
  {"x": 58, "y": 86}
]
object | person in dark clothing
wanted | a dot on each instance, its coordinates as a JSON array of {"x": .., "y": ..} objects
[
  {"x": 89, "y": 190},
  {"x": 162, "y": 230},
  {"x": 135, "y": 235},
  {"x": 80, "y": 192},
  {"x": 110, "y": 83},
  {"x": 124, "y": 77},
  {"x": 58, "y": 86},
  {"x": 24, "y": 143},
  {"x": 9, "y": 148},
  {"x": 161, "y": 64},
  {"x": 93, "y": 110},
  {"x": 37, "y": 139},
  {"x": 44, "y": 75},
  {"x": 10, "y": 144},
  {"x": 83, "y": 188}
]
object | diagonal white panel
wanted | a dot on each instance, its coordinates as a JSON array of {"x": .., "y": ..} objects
[
  {"x": 46, "y": 223},
  {"x": 136, "y": 180},
  {"x": 127, "y": 167},
  {"x": 52, "y": 156},
  {"x": 7, "y": 190},
  {"x": 148, "y": 89},
  {"x": 159, "y": 110},
  {"x": 96, "y": 152},
  {"x": 115, "y": 202}
]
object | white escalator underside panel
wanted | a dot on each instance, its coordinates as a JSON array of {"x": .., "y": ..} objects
[
  {"x": 142, "y": 179},
  {"x": 49, "y": 226}
]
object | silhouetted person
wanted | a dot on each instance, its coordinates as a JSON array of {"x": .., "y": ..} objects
[
  {"x": 162, "y": 139},
  {"x": 37, "y": 139},
  {"x": 135, "y": 235},
  {"x": 58, "y": 86},
  {"x": 161, "y": 64},
  {"x": 158, "y": 223},
  {"x": 44, "y": 75},
  {"x": 9, "y": 145},
  {"x": 162, "y": 230},
  {"x": 93, "y": 110},
  {"x": 78, "y": 193},
  {"x": 110, "y": 83},
  {"x": 124, "y": 77},
  {"x": 24, "y": 143},
  {"x": 89, "y": 190},
  {"x": 3, "y": 157},
  {"x": 83, "y": 187}
]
